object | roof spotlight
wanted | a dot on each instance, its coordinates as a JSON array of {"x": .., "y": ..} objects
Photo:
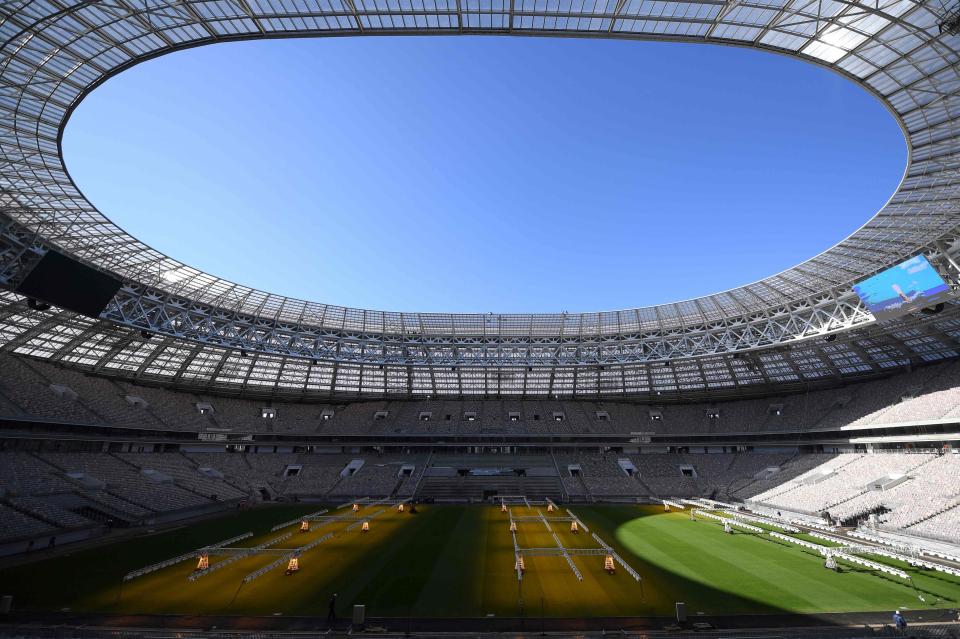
[{"x": 37, "y": 305}]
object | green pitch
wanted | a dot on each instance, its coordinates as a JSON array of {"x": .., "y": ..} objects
[{"x": 458, "y": 561}]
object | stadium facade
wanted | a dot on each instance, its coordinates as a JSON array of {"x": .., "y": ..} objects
[{"x": 172, "y": 324}]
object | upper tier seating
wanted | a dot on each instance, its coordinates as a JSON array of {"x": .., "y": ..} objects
[
  {"x": 27, "y": 390},
  {"x": 17, "y": 525}
]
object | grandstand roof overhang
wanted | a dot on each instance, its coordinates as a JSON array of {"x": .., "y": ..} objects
[{"x": 55, "y": 52}]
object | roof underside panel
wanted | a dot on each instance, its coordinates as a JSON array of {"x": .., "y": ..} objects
[{"x": 55, "y": 53}]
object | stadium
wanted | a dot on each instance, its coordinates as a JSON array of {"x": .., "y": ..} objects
[{"x": 182, "y": 455}]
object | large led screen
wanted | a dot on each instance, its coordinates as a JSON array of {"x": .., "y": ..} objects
[{"x": 906, "y": 287}]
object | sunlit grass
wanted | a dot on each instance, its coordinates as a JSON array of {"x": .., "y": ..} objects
[
  {"x": 749, "y": 572},
  {"x": 458, "y": 561}
]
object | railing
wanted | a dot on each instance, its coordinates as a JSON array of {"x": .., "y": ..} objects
[
  {"x": 920, "y": 535},
  {"x": 938, "y": 631}
]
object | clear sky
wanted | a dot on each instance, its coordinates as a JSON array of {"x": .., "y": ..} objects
[{"x": 481, "y": 174}]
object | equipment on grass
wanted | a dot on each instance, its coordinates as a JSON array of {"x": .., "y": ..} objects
[
  {"x": 608, "y": 565},
  {"x": 359, "y": 616}
]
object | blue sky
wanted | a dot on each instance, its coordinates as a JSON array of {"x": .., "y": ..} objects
[{"x": 479, "y": 174}]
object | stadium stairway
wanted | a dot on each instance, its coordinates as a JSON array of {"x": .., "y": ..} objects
[
  {"x": 791, "y": 485},
  {"x": 42, "y": 514},
  {"x": 149, "y": 411},
  {"x": 846, "y": 499},
  {"x": 333, "y": 488},
  {"x": 586, "y": 489},
  {"x": 102, "y": 506},
  {"x": 9, "y": 407},
  {"x": 864, "y": 491},
  {"x": 950, "y": 506},
  {"x": 477, "y": 487},
  {"x": 82, "y": 404},
  {"x": 564, "y": 494},
  {"x": 96, "y": 510},
  {"x": 646, "y": 489},
  {"x": 225, "y": 479},
  {"x": 739, "y": 487}
]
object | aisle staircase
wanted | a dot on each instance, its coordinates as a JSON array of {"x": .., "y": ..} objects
[{"x": 476, "y": 487}]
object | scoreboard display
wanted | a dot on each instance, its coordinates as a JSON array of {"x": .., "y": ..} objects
[{"x": 906, "y": 287}]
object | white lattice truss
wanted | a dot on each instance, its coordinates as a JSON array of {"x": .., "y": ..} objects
[
  {"x": 559, "y": 550},
  {"x": 771, "y": 332},
  {"x": 232, "y": 553}
]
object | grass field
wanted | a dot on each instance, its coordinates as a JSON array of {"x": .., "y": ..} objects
[{"x": 457, "y": 561}]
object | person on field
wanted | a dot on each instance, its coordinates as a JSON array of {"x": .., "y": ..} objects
[
  {"x": 332, "y": 610},
  {"x": 899, "y": 622}
]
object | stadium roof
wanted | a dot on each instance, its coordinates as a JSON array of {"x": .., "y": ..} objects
[{"x": 55, "y": 52}]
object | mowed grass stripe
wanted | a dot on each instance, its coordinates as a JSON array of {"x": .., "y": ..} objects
[
  {"x": 414, "y": 578},
  {"x": 454, "y": 561},
  {"x": 501, "y": 594}
]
